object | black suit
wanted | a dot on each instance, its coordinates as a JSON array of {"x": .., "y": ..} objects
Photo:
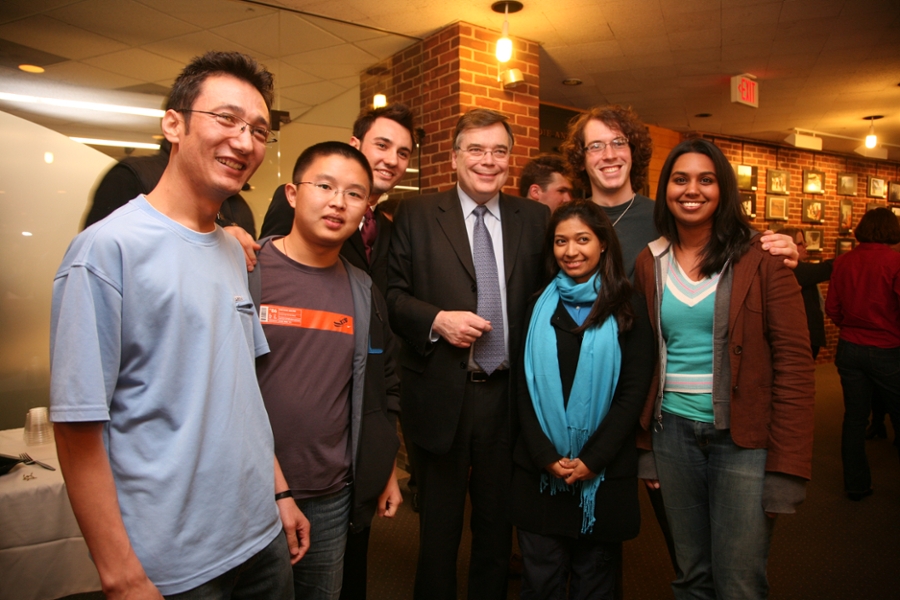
[
  {"x": 280, "y": 218},
  {"x": 449, "y": 418}
]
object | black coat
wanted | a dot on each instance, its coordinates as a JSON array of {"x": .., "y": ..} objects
[
  {"x": 809, "y": 275},
  {"x": 612, "y": 446}
]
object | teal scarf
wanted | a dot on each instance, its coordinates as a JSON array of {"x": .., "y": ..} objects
[{"x": 599, "y": 363}]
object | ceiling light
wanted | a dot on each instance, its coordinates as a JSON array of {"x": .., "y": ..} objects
[
  {"x": 116, "y": 143},
  {"x": 31, "y": 68},
  {"x": 572, "y": 81},
  {"x": 26, "y": 233},
  {"x": 109, "y": 108},
  {"x": 379, "y": 101},
  {"x": 504, "y": 44},
  {"x": 871, "y": 139}
]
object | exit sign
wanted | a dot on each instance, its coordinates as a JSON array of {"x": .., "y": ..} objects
[{"x": 745, "y": 90}]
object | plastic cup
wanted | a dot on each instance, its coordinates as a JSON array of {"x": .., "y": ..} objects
[{"x": 37, "y": 426}]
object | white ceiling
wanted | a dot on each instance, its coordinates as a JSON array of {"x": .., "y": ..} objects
[{"x": 821, "y": 65}]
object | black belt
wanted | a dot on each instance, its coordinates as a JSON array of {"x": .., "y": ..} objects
[{"x": 482, "y": 377}]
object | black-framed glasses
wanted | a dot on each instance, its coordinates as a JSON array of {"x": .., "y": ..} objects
[
  {"x": 259, "y": 133},
  {"x": 619, "y": 143},
  {"x": 324, "y": 188}
]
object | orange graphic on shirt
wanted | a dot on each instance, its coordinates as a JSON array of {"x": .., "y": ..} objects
[{"x": 287, "y": 316}]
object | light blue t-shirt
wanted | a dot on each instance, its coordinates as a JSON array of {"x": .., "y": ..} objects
[
  {"x": 686, "y": 317},
  {"x": 153, "y": 331}
]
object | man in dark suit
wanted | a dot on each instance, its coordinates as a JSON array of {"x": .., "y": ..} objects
[
  {"x": 386, "y": 137},
  {"x": 462, "y": 266}
]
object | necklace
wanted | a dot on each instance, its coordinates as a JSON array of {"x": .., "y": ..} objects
[
  {"x": 284, "y": 247},
  {"x": 619, "y": 218}
]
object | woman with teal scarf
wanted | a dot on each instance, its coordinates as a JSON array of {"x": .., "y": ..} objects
[{"x": 585, "y": 372}]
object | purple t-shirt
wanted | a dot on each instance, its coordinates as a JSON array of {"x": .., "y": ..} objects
[{"x": 307, "y": 315}]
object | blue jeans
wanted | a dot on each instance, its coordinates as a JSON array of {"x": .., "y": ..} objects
[
  {"x": 865, "y": 371},
  {"x": 712, "y": 490},
  {"x": 265, "y": 576},
  {"x": 319, "y": 573}
]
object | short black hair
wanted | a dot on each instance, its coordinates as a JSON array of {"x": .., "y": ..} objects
[
  {"x": 321, "y": 149},
  {"x": 397, "y": 112},
  {"x": 731, "y": 233},
  {"x": 540, "y": 170},
  {"x": 188, "y": 84},
  {"x": 878, "y": 226}
]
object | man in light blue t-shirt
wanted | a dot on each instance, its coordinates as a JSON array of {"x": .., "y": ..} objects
[{"x": 162, "y": 434}]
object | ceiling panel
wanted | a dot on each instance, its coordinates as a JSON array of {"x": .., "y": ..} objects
[
  {"x": 123, "y": 20},
  {"x": 56, "y": 37},
  {"x": 149, "y": 66}
]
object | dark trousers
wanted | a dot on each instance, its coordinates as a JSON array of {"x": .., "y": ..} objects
[
  {"x": 865, "y": 371},
  {"x": 356, "y": 565},
  {"x": 480, "y": 462},
  {"x": 552, "y": 564}
]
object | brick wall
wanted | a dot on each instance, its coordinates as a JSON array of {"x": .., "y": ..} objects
[
  {"x": 793, "y": 160},
  {"x": 445, "y": 75}
]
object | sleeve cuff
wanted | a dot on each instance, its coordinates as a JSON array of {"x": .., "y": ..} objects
[
  {"x": 646, "y": 465},
  {"x": 783, "y": 493}
]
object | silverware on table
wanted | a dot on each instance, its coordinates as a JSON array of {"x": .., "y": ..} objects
[{"x": 30, "y": 461}]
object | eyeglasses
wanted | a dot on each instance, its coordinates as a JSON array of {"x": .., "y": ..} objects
[
  {"x": 620, "y": 143},
  {"x": 260, "y": 134},
  {"x": 478, "y": 153},
  {"x": 327, "y": 188}
]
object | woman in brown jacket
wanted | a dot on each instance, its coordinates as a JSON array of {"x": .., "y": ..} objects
[{"x": 731, "y": 405}]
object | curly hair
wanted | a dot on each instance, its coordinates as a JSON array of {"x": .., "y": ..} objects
[{"x": 621, "y": 119}]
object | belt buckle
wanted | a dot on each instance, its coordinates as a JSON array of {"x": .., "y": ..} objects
[{"x": 478, "y": 376}]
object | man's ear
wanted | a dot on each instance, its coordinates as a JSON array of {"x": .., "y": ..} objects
[
  {"x": 290, "y": 192},
  {"x": 173, "y": 126},
  {"x": 534, "y": 192},
  {"x": 356, "y": 142}
]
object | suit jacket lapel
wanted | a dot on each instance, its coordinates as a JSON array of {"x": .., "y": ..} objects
[
  {"x": 355, "y": 242},
  {"x": 453, "y": 224},
  {"x": 512, "y": 234}
]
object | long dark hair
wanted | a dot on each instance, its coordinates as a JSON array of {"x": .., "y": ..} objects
[
  {"x": 731, "y": 234},
  {"x": 614, "y": 297}
]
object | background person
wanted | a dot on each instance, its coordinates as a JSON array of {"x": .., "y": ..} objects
[
  {"x": 864, "y": 302},
  {"x": 544, "y": 179},
  {"x": 731, "y": 407},
  {"x": 587, "y": 365},
  {"x": 809, "y": 276}
]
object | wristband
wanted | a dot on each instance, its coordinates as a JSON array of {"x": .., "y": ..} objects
[{"x": 283, "y": 495}]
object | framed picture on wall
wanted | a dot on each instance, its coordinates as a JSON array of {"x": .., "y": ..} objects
[
  {"x": 896, "y": 211},
  {"x": 747, "y": 176},
  {"x": 813, "y": 239},
  {"x": 845, "y": 217},
  {"x": 813, "y": 211},
  {"x": 894, "y": 191},
  {"x": 776, "y": 208},
  {"x": 877, "y": 188},
  {"x": 778, "y": 182},
  {"x": 844, "y": 245},
  {"x": 873, "y": 206},
  {"x": 813, "y": 181},
  {"x": 846, "y": 184},
  {"x": 748, "y": 204}
]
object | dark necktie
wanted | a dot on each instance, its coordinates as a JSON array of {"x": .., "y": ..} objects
[
  {"x": 489, "y": 350},
  {"x": 368, "y": 232}
]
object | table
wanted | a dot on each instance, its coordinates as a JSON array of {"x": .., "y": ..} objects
[{"x": 42, "y": 553}]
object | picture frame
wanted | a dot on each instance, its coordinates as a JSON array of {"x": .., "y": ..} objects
[
  {"x": 813, "y": 239},
  {"x": 776, "y": 208},
  {"x": 877, "y": 188},
  {"x": 894, "y": 191},
  {"x": 813, "y": 211},
  {"x": 747, "y": 177},
  {"x": 845, "y": 217},
  {"x": 748, "y": 204},
  {"x": 874, "y": 205},
  {"x": 844, "y": 245},
  {"x": 847, "y": 184},
  {"x": 813, "y": 181},
  {"x": 896, "y": 211},
  {"x": 778, "y": 181}
]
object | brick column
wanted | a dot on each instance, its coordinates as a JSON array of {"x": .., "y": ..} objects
[{"x": 449, "y": 73}]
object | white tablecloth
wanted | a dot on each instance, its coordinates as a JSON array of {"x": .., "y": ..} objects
[{"x": 42, "y": 553}]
